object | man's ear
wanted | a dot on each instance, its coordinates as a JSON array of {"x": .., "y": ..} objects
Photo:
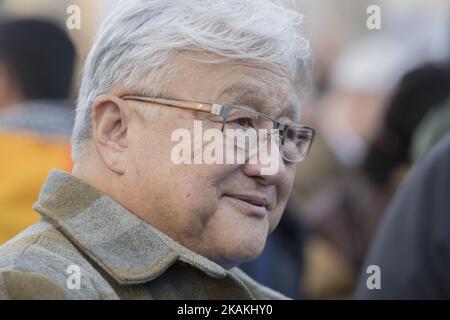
[{"x": 109, "y": 128}]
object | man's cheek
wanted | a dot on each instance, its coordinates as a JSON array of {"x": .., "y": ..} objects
[
  {"x": 275, "y": 217},
  {"x": 286, "y": 185}
]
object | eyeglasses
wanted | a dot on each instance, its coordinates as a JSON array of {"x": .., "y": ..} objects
[{"x": 295, "y": 140}]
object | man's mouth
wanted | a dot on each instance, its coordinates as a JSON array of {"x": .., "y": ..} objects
[{"x": 253, "y": 204}]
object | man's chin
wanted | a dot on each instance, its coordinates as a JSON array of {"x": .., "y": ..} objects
[{"x": 238, "y": 256}]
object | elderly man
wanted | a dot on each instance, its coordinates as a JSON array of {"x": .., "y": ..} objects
[{"x": 132, "y": 223}]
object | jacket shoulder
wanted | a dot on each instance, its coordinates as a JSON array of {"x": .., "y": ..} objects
[
  {"x": 20, "y": 285},
  {"x": 42, "y": 262}
]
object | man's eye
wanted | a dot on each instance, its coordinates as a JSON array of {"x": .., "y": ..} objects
[
  {"x": 297, "y": 137},
  {"x": 243, "y": 122}
]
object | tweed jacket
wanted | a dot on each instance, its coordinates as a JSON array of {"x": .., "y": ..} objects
[{"x": 87, "y": 246}]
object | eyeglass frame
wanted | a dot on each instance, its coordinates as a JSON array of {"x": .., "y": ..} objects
[{"x": 221, "y": 110}]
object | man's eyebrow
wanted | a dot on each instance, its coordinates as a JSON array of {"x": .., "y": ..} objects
[{"x": 256, "y": 98}]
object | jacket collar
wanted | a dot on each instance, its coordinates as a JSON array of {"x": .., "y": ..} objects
[{"x": 126, "y": 247}]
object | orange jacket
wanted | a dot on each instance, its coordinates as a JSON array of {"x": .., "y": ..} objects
[{"x": 25, "y": 160}]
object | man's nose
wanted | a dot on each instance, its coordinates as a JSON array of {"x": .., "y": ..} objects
[{"x": 267, "y": 173}]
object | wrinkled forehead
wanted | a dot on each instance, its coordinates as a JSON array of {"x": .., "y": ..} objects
[{"x": 266, "y": 88}]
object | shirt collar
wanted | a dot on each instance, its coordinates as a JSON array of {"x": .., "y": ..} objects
[{"x": 129, "y": 249}]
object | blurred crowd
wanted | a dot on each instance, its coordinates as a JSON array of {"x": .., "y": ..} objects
[
  {"x": 379, "y": 99},
  {"x": 36, "y": 69}
]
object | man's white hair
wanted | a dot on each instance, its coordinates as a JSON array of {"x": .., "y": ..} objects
[{"x": 136, "y": 45}]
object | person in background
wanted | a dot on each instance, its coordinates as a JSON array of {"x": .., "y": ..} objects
[
  {"x": 412, "y": 247},
  {"x": 421, "y": 92},
  {"x": 36, "y": 68}
]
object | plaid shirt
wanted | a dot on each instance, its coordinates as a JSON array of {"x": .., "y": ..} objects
[{"x": 112, "y": 253}]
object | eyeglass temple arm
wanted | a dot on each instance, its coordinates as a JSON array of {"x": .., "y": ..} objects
[{"x": 212, "y": 108}]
